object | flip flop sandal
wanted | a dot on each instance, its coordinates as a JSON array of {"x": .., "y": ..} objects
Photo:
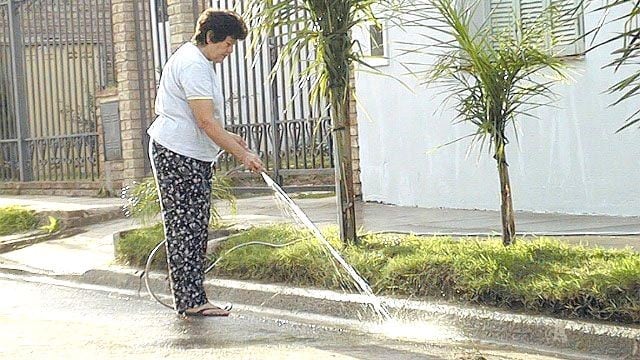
[
  {"x": 227, "y": 306},
  {"x": 213, "y": 311}
]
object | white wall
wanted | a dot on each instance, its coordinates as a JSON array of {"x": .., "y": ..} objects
[{"x": 570, "y": 160}]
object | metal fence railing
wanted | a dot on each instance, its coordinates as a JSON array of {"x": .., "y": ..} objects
[
  {"x": 60, "y": 53},
  {"x": 274, "y": 114}
]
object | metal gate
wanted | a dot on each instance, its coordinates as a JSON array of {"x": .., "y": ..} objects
[
  {"x": 54, "y": 56},
  {"x": 273, "y": 114}
]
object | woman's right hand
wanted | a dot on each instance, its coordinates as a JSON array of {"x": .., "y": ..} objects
[{"x": 252, "y": 162}]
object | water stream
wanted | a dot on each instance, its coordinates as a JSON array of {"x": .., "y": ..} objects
[{"x": 360, "y": 283}]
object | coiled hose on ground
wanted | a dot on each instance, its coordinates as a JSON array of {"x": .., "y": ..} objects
[{"x": 209, "y": 268}]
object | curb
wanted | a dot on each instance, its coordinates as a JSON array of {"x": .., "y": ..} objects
[
  {"x": 572, "y": 336},
  {"x": 80, "y": 218},
  {"x": 34, "y": 238},
  {"x": 71, "y": 222}
]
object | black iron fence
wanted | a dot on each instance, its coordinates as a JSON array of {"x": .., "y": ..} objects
[
  {"x": 272, "y": 108},
  {"x": 54, "y": 56},
  {"x": 9, "y": 166}
]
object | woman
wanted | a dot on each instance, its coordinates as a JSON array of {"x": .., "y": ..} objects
[{"x": 185, "y": 139}]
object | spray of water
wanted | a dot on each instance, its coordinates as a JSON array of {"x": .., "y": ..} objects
[{"x": 361, "y": 284}]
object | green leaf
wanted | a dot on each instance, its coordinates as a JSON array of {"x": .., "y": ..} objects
[{"x": 53, "y": 226}]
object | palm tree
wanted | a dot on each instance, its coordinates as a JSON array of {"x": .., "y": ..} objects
[
  {"x": 491, "y": 76},
  {"x": 627, "y": 55},
  {"x": 325, "y": 26}
]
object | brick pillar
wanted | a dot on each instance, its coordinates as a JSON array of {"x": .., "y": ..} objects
[
  {"x": 128, "y": 79},
  {"x": 182, "y": 21},
  {"x": 353, "y": 131}
]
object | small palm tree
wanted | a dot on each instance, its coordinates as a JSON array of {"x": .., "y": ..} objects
[
  {"x": 141, "y": 199},
  {"x": 492, "y": 76},
  {"x": 628, "y": 54},
  {"x": 325, "y": 26}
]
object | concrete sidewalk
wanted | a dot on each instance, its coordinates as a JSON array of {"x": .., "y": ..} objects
[
  {"x": 594, "y": 230},
  {"x": 88, "y": 257},
  {"x": 59, "y": 203}
]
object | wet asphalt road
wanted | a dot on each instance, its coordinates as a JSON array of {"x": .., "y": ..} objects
[{"x": 39, "y": 320}]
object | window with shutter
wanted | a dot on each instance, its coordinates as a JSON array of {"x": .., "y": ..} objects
[
  {"x": 502, "y": 13},
  {"x": 567, "y": 24},
  {"x": 372, "y": 41},
  {"x": 376, "y": 40}
]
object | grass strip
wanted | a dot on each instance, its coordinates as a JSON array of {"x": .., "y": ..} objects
[
  {"x": 15, "y": 220},
  {"x": 542, "y": 275}
]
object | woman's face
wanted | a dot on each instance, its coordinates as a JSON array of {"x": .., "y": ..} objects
[{"x": 217, "y": 52}]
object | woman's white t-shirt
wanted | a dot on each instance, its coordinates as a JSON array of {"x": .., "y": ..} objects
[{"x": 187, "y": 75}]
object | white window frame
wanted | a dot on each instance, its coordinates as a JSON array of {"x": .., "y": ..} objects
[
  {"x": 573, "y": 47},
  {"x": 363, "y": 35}
]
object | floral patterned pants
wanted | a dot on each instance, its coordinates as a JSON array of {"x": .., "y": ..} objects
[{"x": 184, "y": 185}]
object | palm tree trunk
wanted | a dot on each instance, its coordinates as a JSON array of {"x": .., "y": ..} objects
[
  {"x": 343, "y": 170},
  {"x": 508, "y": 221},
  {"x": 338, "y": 63}
]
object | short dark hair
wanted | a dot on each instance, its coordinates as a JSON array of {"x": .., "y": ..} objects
[{"x": 221, "y": 23}]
